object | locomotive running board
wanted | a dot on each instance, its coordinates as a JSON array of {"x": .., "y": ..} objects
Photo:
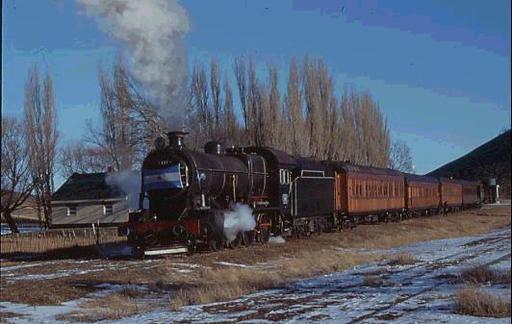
[{"x": 170, "y": 250}]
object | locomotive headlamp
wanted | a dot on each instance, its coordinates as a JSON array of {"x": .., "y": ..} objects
[{"x": 160, "y": 143}]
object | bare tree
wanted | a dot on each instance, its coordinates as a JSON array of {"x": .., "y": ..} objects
[
  {"x": 41, "y": 130},
  {"x": 293, "y": 108},
  {"x": 17, "y": 184},
  {"x": 129, "y": 122},
  {"x": 216, "y": 103},
  {"x": 274, "y": 119},
  {"x": 400, "y": 157},
  {"x": 310, "y": 120},
  {"x": 254, "y": 106},
  {"x": 241, "y": 81},
  {"x": 346, "y": 134},
  {"x": 81, "y": 158},
  {"x": 202, "y": 123},
  {"x": 231, "y": 125}
]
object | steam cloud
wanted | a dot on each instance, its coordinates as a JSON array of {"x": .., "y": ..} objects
[
  {"x": 152, "y": 31},
  {"x": 129, "y": 183},
  {"x": 277, "y": 240},
  {"x": 237, "y": 220}
]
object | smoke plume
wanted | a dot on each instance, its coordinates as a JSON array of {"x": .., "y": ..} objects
[
  {"x": 237, "y": 220},
  {"x": 152, "y": 32},
  {"x": 129, "y": 183}
]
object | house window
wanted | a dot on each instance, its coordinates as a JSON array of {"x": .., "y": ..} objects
[
  {"x": 107, "y": 209},
  {"x": 71, "y": 211}
]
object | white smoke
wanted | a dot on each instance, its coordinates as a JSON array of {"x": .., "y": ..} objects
[
  {"x": 152, "y": 31},
  {"x": 238, "y": 219},
  {"x": 129, "y": 183},
  {"x": 276, "y": 240}
]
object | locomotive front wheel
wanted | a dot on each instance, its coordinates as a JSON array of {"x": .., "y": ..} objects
[
  {"x": 248, "y": 237},
  {"x": 216, "y": 244},
  {"x": 264, "y": 235},
  {"x": 236, "y": 242}
]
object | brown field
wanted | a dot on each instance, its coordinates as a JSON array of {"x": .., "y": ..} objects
[
  {"x": 483, "y": 274},
  {"x": 228, "y": 283},
  {"x": 373, "y": 281},
  {"x": 477, "y": 302},
  {"x": 403, "y": 259},
  {"x": 113, "y": 306},
  {"x": 473, "y": 300},
  {"x": 56, "y": 243},
  {"x": 263, "y": 266}
]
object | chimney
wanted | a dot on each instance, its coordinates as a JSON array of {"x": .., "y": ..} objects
[{"x": 176, "y": 139}]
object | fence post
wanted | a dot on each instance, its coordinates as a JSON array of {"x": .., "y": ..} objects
[{"x": 98, "y": 233}]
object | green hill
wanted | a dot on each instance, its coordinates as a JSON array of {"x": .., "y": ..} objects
[{"x": 489, "y": 160}]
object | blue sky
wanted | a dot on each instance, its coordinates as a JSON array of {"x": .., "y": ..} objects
[{"x": 439, "y": 69}]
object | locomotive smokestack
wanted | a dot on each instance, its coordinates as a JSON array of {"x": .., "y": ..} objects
[{"x": 176, "y": 139}]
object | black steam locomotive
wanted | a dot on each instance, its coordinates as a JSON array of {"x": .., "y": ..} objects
[{"x": 190, "y": 192}]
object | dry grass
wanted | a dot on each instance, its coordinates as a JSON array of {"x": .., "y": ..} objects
[
  {"x": 427, "y": 228},
  {"x": 483, "y": 274},
  {"x": 222, "y": 284},
  {"x": 281, "y": 262},
  {"x": 69, "y": 243},
  {"x": 403, "y": 259},
  {"x": 131, "y": 292},
  {"x": 477, "y": 302},
  {"x": 219, "y": 284},
  {"x": 373, "y": 281},
  {"x": 110, "y": 307}
]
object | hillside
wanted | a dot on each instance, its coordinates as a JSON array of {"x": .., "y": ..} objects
[{"x": 489, "y": 160}]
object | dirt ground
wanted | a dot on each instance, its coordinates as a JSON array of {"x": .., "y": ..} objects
[{"x": 62, "y": 280}]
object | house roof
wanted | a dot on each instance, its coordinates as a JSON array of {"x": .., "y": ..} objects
[{"x": 87, "y": 186}]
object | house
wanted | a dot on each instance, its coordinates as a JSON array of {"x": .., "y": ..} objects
[{"x": 87, "y": 198}]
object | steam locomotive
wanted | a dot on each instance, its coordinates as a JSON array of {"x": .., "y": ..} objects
[{"x": 189, "y": 194}]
